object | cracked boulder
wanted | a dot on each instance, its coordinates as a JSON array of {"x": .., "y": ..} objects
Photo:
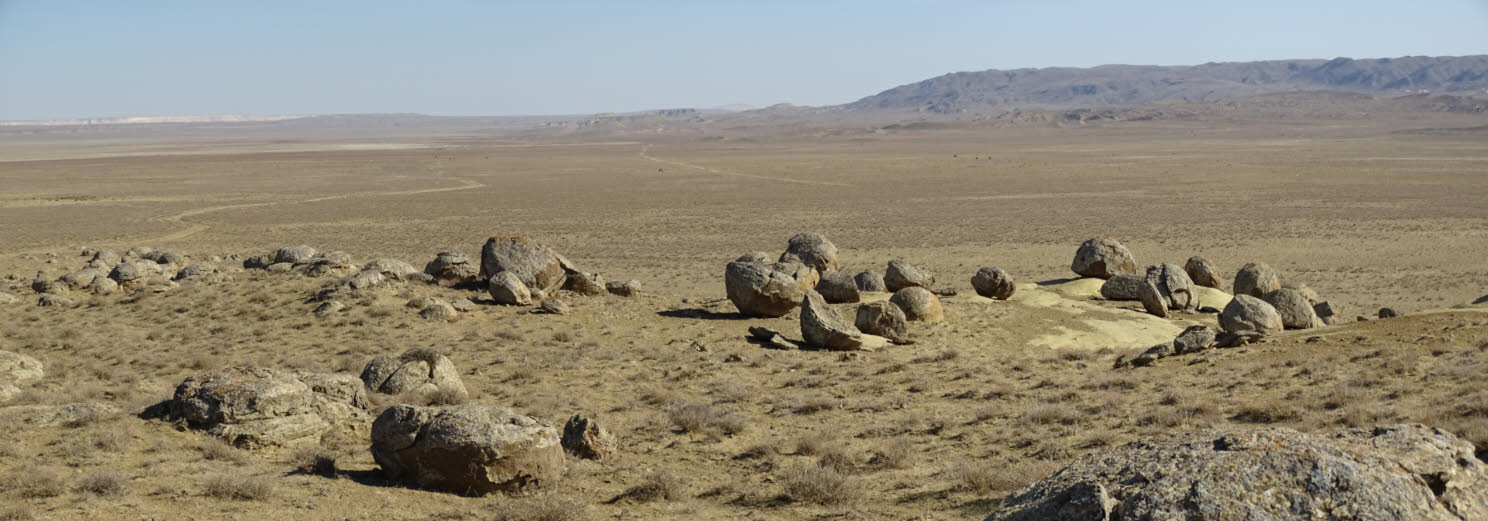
[
  {"x": 467, "y": 449},
  {"x": 416, "y": 371},
  {"x": 258, "y": 407}
]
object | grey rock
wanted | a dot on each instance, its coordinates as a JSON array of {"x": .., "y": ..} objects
[
  {"x": 1193, "y": 339},
  {"x": 451, "y": 267},
  {"x": 871, "y": 282},
  {"x": 284, "y": 267},
  {"x": 326, "y": 309},
  {"x": 1387, "y": 313},
  {"x": 883, "y": 318},
  {"x": 258, "y": 262},
  {"x": 624, "y": 288},
  {"x": 294, "y": 255},
  {"x": 586, "y": 284},
  {"x": 1400, "y": 472},
  {"x": 507, "y": 289},
  {"x": 918, "y": 304},
  {"x": 104, "y": 260},
  {"x": 197, "y": 271},
  {"x": 754, "y": 256},
  {"x": 552, "y": 306},
  {"x": 764, "y": 290},
  {"x": 1103, "y": 257},
  {"x": 103, "y": 286},
  {"x": 1247, "y": 313},
  {"x": 1256, "y": 279},
  {"x": 813, "y": 250},
  {"x": 1174, "y": 286},
  {"x": 363, "y": 280},
  {"x": 1204, "y": 273},
  {"x": 1126, "y": 286},
  {"x": 168, "y": 257},
  {"x": 824, "y": 327},
  {"x": 83, "y": 278},
  {"x": 54, "y": 301},
  {"x": 900, "y": 275},
  {"x": 1326, "y": 312},
  {"x": 993, "y": 283},
  {"x": 463, "y": 305},
  {"x": 390, "y": 268},
  {"x": 535, "y": 265},
  {"x": 257, "y": 407},
  {"x": 418, "y": 371},
  {"x": 838, "y": 287},
  {"x": 469, "y": 449},
  {"x": 440, "y": 310},
  {"x": 1295, "y": 310},
  {"x": 1152, "y": 300}
]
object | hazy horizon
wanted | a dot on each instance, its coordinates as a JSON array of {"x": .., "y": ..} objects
[{"x": 82, "y": 60}]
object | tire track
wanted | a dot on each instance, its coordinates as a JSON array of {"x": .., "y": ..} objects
[{"x": 647, "y": 156}]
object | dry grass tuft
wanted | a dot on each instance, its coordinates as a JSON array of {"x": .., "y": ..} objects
[
  {"x": 820, "y": 485},
  {"x": 35, "y": 482},
  {"x": 106, "y": 483},
  {"x": 546, "y": 508},
  {"x": 701, "y": 418},
  {"x": 317, "y": 461},
  {"x": 240, "y": 487},
  {"x": 658, "y": 486}
]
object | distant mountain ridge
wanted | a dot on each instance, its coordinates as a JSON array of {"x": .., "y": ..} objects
[{"x": 994, "y": 91}]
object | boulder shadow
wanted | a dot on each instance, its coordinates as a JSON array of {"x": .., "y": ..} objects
[{"x": 702, "y": 314}]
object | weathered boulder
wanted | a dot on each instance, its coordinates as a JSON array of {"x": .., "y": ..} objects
[
  {"x": 197, "y": 271},
  {"x": 439, "y": 310},
  {"x": 1400, "y": 472},
  {"x": 1203, "y": 272},
  {"x": 1296, "y": 312},
  {"x": 1307, "y": 292},
  {"x": 1126, "y": 286},
  {"x": 16, "y": 368},
  {"x": 390, "y": 268},
  {"x": 103, "y": 286},
  {"x": 451, "y": 267},
  {"x": 364, "y": 280},
  {"x": 755, "y": 256},
  {"x": 104, "y": 260},
  {"x": 463, "y": 305},
  {"x": 258, "y": 262},
  {"x": 993, "y": 283},
  {"x": 1103, "y": 257},
  {"x": 49, "y": 287},
  {"x": 871, "y": 282},
  {"x": 552, "y": 306},
  {"x": 813, "y": 250},
  {"x": 327, "y": 264},
  {"x": 468, "y": 449},
  {"x": 900, "y": 275},
  {"x": 507, "y": 289},
  {"x": 293, "y": 255},
  {"x": 883, "y": 318},
  {"x": 82, "y": 278},
  {"x": 1174, "y": 286},
  {"x": 624, "y": 288},
  {"x": 1256, "y": 279},
  {"x": 168, "y": 257},
  {"x": 586, "y": 284},
  {"x": 918, "y": 304},
  {"x": 1245, "y": 313},
  {"x": 764, "y": 290},
  {"x": 256, "y": 407},
  {"x": 1326, "y": 312},
  {"x": 1152, "y": 300},
  {"x": 1387, "y": 313},
  {"x": 537, "y": 266},
  {"x": 326, "y": 309},
  {"x": 824, "y": 327},
  {"x": 1193, "y": 339},
  {"x": 584, "y": 438},
  {"x": 54, "y": 301},
  {"x": 130, "y": 271},
  {"x": 417, "y": 371},
  {"x": 838, "y": 287}
]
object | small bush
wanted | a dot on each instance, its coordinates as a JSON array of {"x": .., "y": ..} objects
[
  {"x": 660, "y": 485},
  {"x": 1050, "y": 414},
  {"x": 239, "y": 487},
  {"x": 819, "y": 485},
  {"x": 108, "y": 483},
  {"x": 317, "y": 461},
  {"x": 547, "y": 508},
  {"x": 896, "y": 454},
  {"x": 215, "y": 449},
  {"x": 35, "y": 482},
  {"x": 705, "y": 419}
]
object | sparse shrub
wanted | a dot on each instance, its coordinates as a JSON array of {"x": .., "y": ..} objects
[
  {"x": 563, "y": 335},
  {"x": 1265, "y": 413},
  {"x": 944, "y": 355},
  {"x": 238, "y": 486},
  {"x": 659, "y": 485},
  {"x": 705, "y": 419},
  {"x": 215, "y": 449},
  {"x": 896, "y": 454},
  {"x": 35, "y": 482},
  {"x": 446, "y": 396},
  {"x": 318, "y": 461},
  {"x": 819, "y": 485},
  {"x": 107, "y": 483},
  {"x": 546, "y": 508},
  {"x": 1053, "y": 413}
]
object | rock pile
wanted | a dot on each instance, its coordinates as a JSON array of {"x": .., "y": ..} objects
[{"x": 418, "y": 371}]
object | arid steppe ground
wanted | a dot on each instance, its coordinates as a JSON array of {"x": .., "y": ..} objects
[{"x": 1368, "y": 212}]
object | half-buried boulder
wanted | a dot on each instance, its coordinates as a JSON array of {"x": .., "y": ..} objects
[
  {"x": 812, "y": 249},
  {"x": 450, "y": 267},
  {"x": 885, "y": 319},
  {"x": 584, "y": 438},
  {"x": 623, "y": 288},
  {"x": 1295, "y": 309},
  {"x": 586, "y": 284},
  {"x": 1256, "y": 279},
  {"x": 391, "y": 268},
  {"x": 467, "y": 449},
  {"x": 16, "y": 368},
  {"x": 418, "y": 371},
  {"x": 900, "y": 275},
  {"x": 993, "y": 283},
  {"x": 252, "y": 407},
  {"x": 1103, "y": 257},
  {"x": 918, "y": 304},
  {"x": 838, "y": 287},
  {"x": 1126, "y": 286},
  {"x": 759, "y": 289},
  {"x": 824, "y": 327},
  {"x": 532, "y": 263},
  {"x": 294, "y": 255},
  {"x": 1400, "y": 472}
]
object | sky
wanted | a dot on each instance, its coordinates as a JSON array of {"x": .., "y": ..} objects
[{"x": 69, "y": 59}]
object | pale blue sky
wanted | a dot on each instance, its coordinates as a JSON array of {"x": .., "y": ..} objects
[{"x": 63, "y": 58}]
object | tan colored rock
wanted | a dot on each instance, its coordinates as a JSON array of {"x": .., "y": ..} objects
[
  {"x": 918, "y": 304},
  {"x": 993, "y": 283},
  {"x": 824, "y": 327},
  {"x": 1256, "y": 279},
  {"x": 1103, "y": 257},
  {"x": 469, "y": 449}
]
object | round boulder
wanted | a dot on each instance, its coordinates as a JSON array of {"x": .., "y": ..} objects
[
  {"x": 993, "y": 283},
  {"x": 883, "y": 318},
  {"x": 418, "y": 371},
  {"x": 450, "y": 267},
  {"x": 1103, "y": 257},
  {"x": 1245, "y": 313},
  {"x": 391, "y": 268},
  {"x": 918, "y": 304},
  {"x": 900, "y": 275},
  {"x": 1203, "y": 272},
  {"x": 814, "y": 250},
  {"x": 1256, "y": 279},
  {"x": 1295, "y": 309},
  {"x": 468, "y": 449},
  {"x": 871, "y": 282},
  {"x": 1174, "y": 286},
  {"x": 294, "y": 255},
  {"x": 1126, "y": 286},
  {"x": 534, "y": 264},
  {"x": 838, "y": 287},
  {"x": 764, "y": 290}
]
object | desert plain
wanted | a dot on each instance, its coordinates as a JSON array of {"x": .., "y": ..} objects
[{"x": 1369, "y": 210}]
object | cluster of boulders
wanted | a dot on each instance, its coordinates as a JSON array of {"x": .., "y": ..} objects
[
  {"x": 258, "y": 407},
  {"x": 1395, "y": 472},
  {"x": 140, "y": 267},
  {"x": 419, "y": 371},
  {"x": 519, "y": 271}
]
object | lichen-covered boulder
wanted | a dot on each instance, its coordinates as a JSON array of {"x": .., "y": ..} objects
[
  {"x": 623, "y": 288},
  {"x": 586, "y": 284},
  {"x": 900, "y": 275},
  {"x": 585, "y": 438},
  {"x": 993, "y": 283},
  {"x": 1295, "y": 309},
  {"x": 765, "y": 290},
  {"x": 1204, "y": 273},
  {"x": 416, "y": 371},
  {"x": 467, "y": 449},
  {"x": 1400, "y": 472},
  {"x": 391, "y": 268},
  {"x": 16, "y": 368},
  {"x": 824, "y": 327},
  {"x": 256, "y": 407},
  {"x": 507, "y": 289},
  {"x": 294, "y": 255},
  {"x": 1245, "y": 314},
  {"x": 870, "y": 282},
  {"x": 1103, "y": 257},
  {"x": 1126, "y": 286},
  {"x": 451, "y": 267},
  {"x": 838, "y": 287},
  {"x": 1174, "y": 286},
  {"x": 814, "y": 250},
  {"x": 537, "y": 266}
]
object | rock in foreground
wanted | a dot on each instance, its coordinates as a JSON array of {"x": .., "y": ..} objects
[
  {"x": 252, "y": 407},
  {"x": 467, "y": 449},
  {"x": 1402, "y": 472},
  {"x": 824, "y": 327}
]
